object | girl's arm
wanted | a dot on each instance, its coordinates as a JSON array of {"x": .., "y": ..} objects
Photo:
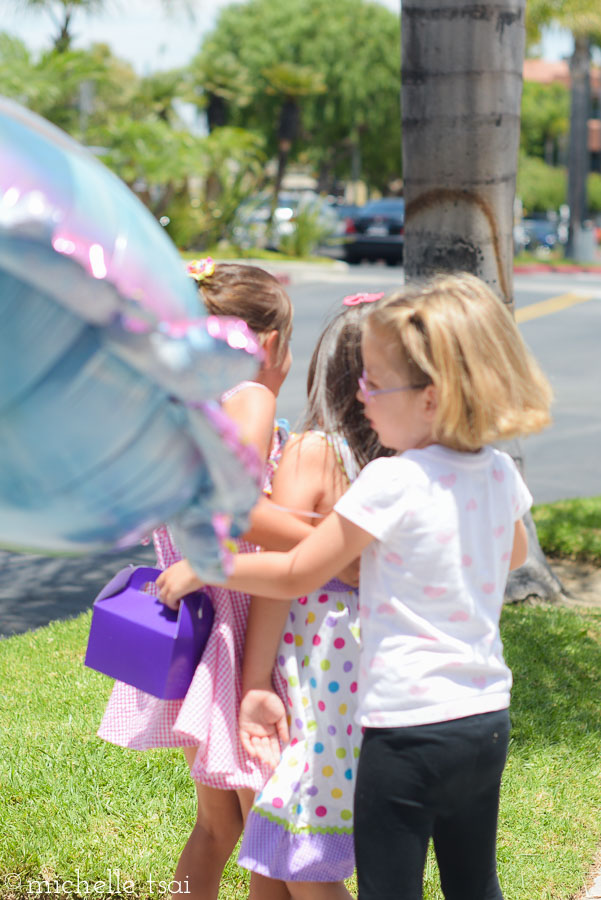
[
  {"x": 305, "y": 474},
  {"x": 308, "y": 476},
  {"x": 253, "y": 410},
  {"x": 313, "y": 562},
  {"x": 273, "y": 528},
  {"x": 318, "y": 557},
  {"x": 270, "y": 527},
  {"x": 519, "y": 550},
  {"x": 262, "y": 718}
]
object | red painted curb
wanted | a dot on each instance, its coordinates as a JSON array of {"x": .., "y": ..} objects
[{"x": 531, "y": 267}]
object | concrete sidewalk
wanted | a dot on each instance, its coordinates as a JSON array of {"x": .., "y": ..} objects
[{"x": 594, "y": 891}]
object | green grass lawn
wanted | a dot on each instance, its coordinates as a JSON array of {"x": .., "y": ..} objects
[
  {"x": 229, "y": 251},
  {"x": 555, "y": 259},
  {"x": 72, "y": 805},
  {"x": 570, "y": 528}
]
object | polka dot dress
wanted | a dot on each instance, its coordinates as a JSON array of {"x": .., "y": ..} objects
[{"x": 301, "y": 825}]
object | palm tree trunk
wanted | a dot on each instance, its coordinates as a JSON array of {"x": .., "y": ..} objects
[
  {"x": 461, "y": 92},
  {"x": 578, "y": 158},
  {"x": 217, "y": 112},
  {"x": 288, "y": 128},
  {"x": 62, "y": 41}
]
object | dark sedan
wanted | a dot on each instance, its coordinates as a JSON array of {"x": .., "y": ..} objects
[
  {"x": 539, "y": 233},
  {"x": 377, "y": 232}
]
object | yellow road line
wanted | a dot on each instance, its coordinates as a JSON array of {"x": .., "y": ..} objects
[{"x": 546, "y": 307}]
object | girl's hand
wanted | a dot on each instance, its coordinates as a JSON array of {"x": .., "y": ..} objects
[
  {"x": 177, "y": 581},
  {"x": 263, "y": 725}
]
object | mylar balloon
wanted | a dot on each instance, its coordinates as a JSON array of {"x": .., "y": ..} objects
[{"x": 106, "y": 363}]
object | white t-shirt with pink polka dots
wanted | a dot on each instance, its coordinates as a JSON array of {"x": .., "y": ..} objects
[{"x": 432, "y": 583}]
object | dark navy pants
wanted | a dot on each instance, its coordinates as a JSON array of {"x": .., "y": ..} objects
[{"x": 437, "y": 781}]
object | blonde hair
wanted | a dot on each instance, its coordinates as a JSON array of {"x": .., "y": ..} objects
[
  {"x": 251, "y": 294},
  {"x": 455, "y": 333}
]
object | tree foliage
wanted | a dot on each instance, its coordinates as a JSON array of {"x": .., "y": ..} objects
[
  {"x": 541, "y": 187},
  {"x": 229, "y": 169},
  {"x": 583, "y": 19},
  {"x": 545, "y": 119},
  {"x": 51, "y": 86},
  {"x": 132, "y": 123},
  {"x": 350, "y": 46},
  {"x": 55, "y": 85}
]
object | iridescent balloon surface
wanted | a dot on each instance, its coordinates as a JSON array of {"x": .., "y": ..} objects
[{"x": 105, "y": 361}]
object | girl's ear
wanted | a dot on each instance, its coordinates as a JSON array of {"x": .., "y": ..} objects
[
  {"x": 430, "y": 400},
  {"x": 270, "y": 349}
]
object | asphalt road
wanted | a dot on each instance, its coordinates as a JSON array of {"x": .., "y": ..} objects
[{"x": 563, "y": 461}]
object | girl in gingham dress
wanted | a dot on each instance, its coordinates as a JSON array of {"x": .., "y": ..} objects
[{"x": 205, "y": 722}]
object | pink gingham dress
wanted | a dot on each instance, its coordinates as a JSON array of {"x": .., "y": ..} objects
[{"x": 207, "y": 717}]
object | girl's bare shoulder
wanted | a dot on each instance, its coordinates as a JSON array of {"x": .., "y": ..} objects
[
  {"x": 251, "y": 396},
  {"x": 311, "y": 448},
  {"x": 311, "y": 460}
]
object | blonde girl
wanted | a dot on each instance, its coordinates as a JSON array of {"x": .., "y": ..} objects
[{"x": 438, "y": 527}]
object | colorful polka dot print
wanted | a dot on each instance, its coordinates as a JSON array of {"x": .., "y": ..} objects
[{"x": 311, "y": 792}]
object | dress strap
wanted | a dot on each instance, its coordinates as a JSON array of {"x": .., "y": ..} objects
[
  {"x": 240, "y": 387},
  {"x": 344, "y": 454}
]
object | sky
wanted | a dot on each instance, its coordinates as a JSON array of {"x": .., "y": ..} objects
[{"x": 144, "y": 34}]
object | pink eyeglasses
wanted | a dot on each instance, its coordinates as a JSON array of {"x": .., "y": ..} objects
[{"x": 374, "y": 393}]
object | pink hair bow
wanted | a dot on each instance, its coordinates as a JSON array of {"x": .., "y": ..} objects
[{"x": 356, "y": 299}]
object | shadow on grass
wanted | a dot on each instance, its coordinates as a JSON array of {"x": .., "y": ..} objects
[
  {"x": 555, "y": 657},
  {"x": 36, "y": 590}
]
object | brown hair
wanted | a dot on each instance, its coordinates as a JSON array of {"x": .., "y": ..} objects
[
  {"x": 332, "y": 384},
  {"x": 251, "y": 294},
  {"x": 455, "y": 333}
]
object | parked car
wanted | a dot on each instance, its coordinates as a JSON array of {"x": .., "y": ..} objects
[
  {"x": 539, "y": 234},
  {"x": 377, "y": 232},
  {"x": 345, "y": 213},
  {"x": 251, "y": 227}
]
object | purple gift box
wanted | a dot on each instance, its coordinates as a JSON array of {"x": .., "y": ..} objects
[{"x": 137, "y": 639}]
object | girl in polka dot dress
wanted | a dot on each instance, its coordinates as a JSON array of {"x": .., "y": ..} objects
[{"x": 438, "y": 527}]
